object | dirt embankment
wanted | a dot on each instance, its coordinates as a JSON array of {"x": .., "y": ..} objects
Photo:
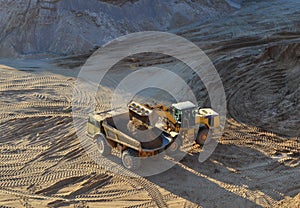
[{"x": 55, "y": 27}]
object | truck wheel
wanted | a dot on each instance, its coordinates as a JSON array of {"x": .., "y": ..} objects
[
  {"x": 102, "y": 146},
  {"x": 174, "y": 147},
  {"x": 202, "y": 136},
  {"x": 130, "y": 159}
]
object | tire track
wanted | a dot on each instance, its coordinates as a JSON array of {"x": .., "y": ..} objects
[
  {"x": 266, "y": 142},
  {"x": 52, "y": 104},
  {"x": 121, "y": 173},
  {"x": 7, "y": 117},
  {"x": 255, "y": 196}
]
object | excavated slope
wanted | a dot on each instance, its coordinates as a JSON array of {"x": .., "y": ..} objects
[{"x": 74, "y": 26}]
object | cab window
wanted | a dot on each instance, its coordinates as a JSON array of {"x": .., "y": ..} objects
[
  {"x": 177, "y": 114},
  {"x": 92, "y": 121}
]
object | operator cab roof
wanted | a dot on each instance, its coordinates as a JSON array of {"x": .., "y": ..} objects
[{"x": 184, "y": 105}]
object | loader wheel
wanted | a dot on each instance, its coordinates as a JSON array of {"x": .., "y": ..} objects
[
  {"x": 102, "y": 146},
  {"x": 130, "y": 159},
  {"x": 202, "y": 136},
  {"x": 174, "y": 147}
]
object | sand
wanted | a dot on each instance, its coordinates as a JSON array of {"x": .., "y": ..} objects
[
  {"x": 256, "y": 163},
  {"x": 43, "y": 164}
]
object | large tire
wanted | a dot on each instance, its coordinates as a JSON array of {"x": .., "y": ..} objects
[
  {"x": 174, "y": 147},
  {"x": 102, "y": 145},
  {"x": 131, "y": 159},
  {"x": 202, "y": 136}
]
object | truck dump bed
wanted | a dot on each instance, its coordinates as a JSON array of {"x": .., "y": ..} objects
[{"x": 152, "y": 138}]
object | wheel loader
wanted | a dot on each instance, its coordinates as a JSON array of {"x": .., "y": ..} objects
[{"x": 184, "y": 120}]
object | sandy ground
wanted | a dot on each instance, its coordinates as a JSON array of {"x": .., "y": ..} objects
[
  {"x": 256, "y": 163},
  {"x": 43, "y": 164}
]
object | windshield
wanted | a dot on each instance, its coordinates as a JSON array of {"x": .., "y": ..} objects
[{"x": 177, "y": 114}]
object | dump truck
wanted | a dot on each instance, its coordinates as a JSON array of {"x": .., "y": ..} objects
[
  {"x": 185, "y": 121},
  {"x": 113, "y": 129}
]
